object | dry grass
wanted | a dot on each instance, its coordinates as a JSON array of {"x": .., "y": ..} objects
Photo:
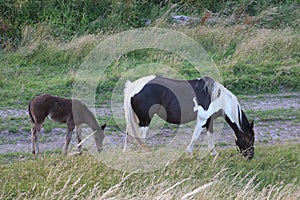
[
  {"x": 228, "y": 45},
  {"x": 269, "y": 45},
  {"x": 84, "y": 177},
  {"x": 216, "y": 188},
  {"x": 248, "y": 43}
]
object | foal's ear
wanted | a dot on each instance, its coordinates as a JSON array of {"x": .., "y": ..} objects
[
  {"x": 252, "y": 124},
  {"x": 103, "y": 126}
]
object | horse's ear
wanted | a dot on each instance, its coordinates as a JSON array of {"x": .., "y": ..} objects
[
  {"x": 252, "y": 124},
  {"x": 103, "y": 126}
]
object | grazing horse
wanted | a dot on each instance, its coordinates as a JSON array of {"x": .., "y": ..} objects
[
  {"x": 182, "y": 101},
  {"x": 69, "y": 111}
]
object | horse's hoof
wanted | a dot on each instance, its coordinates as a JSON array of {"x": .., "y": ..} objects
[
  {"x": 189, "y": 153},
  {"x": 214, "y": 153},
  {"x": 215, "y": 158}
]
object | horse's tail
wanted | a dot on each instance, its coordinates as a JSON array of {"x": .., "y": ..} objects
[
  {"x": 30, "y": 114},
  {"x": 132, "y": 128},
  {"x": 229, "y": 103}
]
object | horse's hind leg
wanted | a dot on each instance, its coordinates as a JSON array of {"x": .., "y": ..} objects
[
  {"x": 79, "y": 138},
  {"x": 70, "y": 130},
  {"x": 141, "y": 139},
  {"x": 35, "y": 130}
]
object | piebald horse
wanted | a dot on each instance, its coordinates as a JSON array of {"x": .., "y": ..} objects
[
  {"x": 182, "y": 101},
  {"x": 70, "y": 111}
]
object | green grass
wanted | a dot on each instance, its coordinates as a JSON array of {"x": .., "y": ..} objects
[
  {"x": 275, "y": 115},
  {"x": 251, "y": 59},
  {"x": 46, "y": 42},
  {"x": 23, "y": 76},
  {"x": 273, "y": 171}
]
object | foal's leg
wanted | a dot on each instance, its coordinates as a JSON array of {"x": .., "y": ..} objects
[
  {"x": 70, "y": 129},
  {"x": 79, "y": 138},
  {"x": 35, "y": 130}
]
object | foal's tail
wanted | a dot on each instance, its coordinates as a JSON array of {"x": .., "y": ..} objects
[
  {"x": 132, "y": 128},
  {"x": 30, "y": 115}
]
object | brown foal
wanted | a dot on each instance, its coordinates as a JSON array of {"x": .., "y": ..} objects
[{"x": 70, "y": 111}]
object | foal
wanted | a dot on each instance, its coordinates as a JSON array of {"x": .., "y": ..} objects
[{"x": 69, "y": 111}]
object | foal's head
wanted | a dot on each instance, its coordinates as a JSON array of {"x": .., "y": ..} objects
[
  {"x": 99, "y": 137},
  {"x": 245, "y": 141}
]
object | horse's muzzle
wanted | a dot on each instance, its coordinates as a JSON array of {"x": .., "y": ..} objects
[{"x": 248, "y": 153}]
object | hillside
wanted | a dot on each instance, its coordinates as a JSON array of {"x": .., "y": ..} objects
[
  {"x": 255, "y": 47},
  {"x": 65, "y": 47}
]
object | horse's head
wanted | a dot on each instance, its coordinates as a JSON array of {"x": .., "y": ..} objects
[
  {"x": 245, "y": 141},
  {"x": 99, "y": 137}
]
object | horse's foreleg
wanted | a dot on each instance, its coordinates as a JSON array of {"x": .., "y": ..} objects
[
  {"x": 79, "y": 138},
  {"x": 196, "y": 134},
  {"x": 68, "y": 138},
  {"x": 211, "y": 142}
]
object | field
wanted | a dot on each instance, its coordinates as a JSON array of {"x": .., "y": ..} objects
[{"x": 253, "y": 46}]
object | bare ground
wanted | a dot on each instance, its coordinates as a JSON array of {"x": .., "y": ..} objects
[{"x": 266, "y": 132}]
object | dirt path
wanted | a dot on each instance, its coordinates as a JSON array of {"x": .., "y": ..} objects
[{"x": 266, "y": 132}]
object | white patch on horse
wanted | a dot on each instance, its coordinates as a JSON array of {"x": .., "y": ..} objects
[
  {"x": 135, "y": 87},
  {"x": 221, "y": 99},
  {"x": 202, "y": 115},
  {"x": 132, "y": 127},
  {"x": 143, "y": 131}
]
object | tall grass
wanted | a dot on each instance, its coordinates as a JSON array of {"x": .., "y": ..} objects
[
  {"x": 247, "y": 58},
  {"x": 273, "y": 174},
  {"x": 67, "y": 19}
]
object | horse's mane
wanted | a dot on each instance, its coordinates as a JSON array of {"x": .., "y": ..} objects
[{"x": 229, "y": 101}]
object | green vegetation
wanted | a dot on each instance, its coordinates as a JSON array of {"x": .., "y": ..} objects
[
  {"x": 69, "y": 18},
  {"x": 273, "y": 172},
  {"x": 44, "y": 43},
  {"x": 254, "y": 44},
  {"x": 274, "y": 115}
]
